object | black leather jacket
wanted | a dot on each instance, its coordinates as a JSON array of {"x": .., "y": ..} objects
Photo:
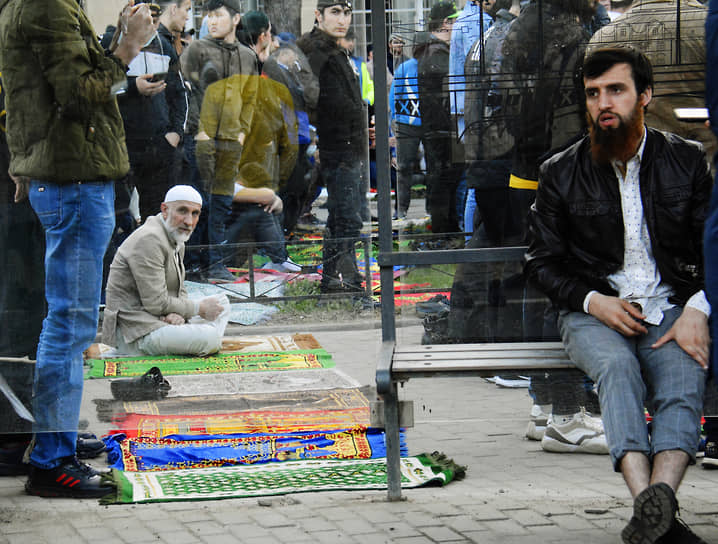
[{"x": 576, "y": 223}]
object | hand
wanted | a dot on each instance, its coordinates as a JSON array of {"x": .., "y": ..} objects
[
  {"x": 210, "y": 309},
  {"x": 22, "y": 187},
  {"x": 147, "y": 87},
  {"x": 137, "y": 29},
  {"x": 690, "y": 331},
  {"x": 275, "y": 206},
  {"x": 618, "y": 314},
  {"x": 242, "y": 136},
  {"x": 173, "y": 319},
  {"x": 173, "y": 139}
]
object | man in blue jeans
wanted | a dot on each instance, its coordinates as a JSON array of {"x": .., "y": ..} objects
[
  {"x": 67, "y": 145},
  {"x": 616, "y": 243}
]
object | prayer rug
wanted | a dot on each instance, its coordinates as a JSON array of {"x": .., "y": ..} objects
[
  {"x": 287, "y": 342},
  {"x": 217, "y": 363},
  {"x": 294, "y": 401},
  {"x": 183, "y": 452},
  {"x": 267, "y": 421},
  {"x": 277, "y": 479}
]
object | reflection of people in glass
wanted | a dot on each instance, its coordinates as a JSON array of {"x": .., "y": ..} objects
[
  {"x": 616, "y": 243},
  {"x": 223, "y": 74}
]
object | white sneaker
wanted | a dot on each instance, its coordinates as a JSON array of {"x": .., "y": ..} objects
[
  {"x": 537, "y": 423},
  {"x": 290, "y": 266},
  {"x": 582, "y": 434}
]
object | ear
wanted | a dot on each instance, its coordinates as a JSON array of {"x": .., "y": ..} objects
[
  {"x": 317, "y": 14},
  {"x": 163, "y": 209},
  {"x": 645, "y": 97},
  {"x": 236, "y": 19}
]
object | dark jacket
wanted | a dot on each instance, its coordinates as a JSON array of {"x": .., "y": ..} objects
[
  {"x": 433, "y": 71},
  {"x": 576, "y": 224},
  {"x": 63, "y": 122},
  {"x": 151, "y": 117},
  {"x": 340, "y": 115}
]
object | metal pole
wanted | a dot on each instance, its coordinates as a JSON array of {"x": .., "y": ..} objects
[{"x": 379, "y": 39}]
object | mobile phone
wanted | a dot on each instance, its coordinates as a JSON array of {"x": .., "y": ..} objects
[
  {"x": 697, "y": 115},
  {"x": 158, "y": 76}
]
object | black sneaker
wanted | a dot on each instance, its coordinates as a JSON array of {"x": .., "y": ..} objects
[
  {"x": 680, "y": 533},
  {"x": 654, "y": 514},
  {"x": 710, "y": 458},
  {"x": 88, "y": 446},
  {"x": 72, "y": 479}
]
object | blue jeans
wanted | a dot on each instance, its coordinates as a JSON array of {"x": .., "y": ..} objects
[
  {"x": 251, "y": 222},
  {"x": 220, "y": 210},
  {"x": 629, "y": 372},
  {"x": 78, "y": 219}
]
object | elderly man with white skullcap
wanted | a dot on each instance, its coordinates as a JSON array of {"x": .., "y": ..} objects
[{"x": 147, "y": 309}]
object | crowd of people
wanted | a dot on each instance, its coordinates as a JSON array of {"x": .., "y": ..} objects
[{"x": 548, "y": 124}]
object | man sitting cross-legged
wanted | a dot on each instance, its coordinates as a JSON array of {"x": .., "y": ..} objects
[
  {"x": 147, "y": 310},
  {"x": 616, "y": 243}
]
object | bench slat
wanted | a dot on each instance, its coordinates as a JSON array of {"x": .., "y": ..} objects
[{"x": 437, "y": 367}]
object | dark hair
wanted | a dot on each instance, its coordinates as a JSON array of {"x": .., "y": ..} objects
[
  {"x": 502, "y": 4},
  {"x": 350, "y": 35},
  {"x": 216, "y": 4},
  {"x": 252, "y": 25},
  {"x": 601, "y": 60}
]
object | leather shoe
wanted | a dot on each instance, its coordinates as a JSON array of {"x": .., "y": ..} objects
[
  {"x": 72, "y": 479},
  {"x": 88, "y": 446},
  {"x": 150, "y": 386}
]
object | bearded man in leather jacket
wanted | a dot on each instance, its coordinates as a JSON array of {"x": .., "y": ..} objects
[{"x": 616, "y": 234}]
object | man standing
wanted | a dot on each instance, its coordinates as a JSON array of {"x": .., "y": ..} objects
[
  {"x": 616, "y": 240},
  {"x": 340, "y": 121},
  {"x": 67, "y": 145},
  {"x": 147, "y": 309},
  {"x": 442, "y": 171}
]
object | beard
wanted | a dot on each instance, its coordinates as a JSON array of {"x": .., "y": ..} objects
[
  {"x": 179, "y": 237},
  {"x": 616, "y": 143}
]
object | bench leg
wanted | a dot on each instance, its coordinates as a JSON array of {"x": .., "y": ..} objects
[{"x": 393, "y": 449}]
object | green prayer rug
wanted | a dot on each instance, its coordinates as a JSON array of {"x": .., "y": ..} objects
[
  {"x": 277, "y": 479},
  {"x": 213, "y": 364}
]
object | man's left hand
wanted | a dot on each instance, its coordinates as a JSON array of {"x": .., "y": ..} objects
[
  {"x": 173, "y": 319},
  {"x": 690, "y": 331},
  {"x": 22, "y": 187},
  {"x": 173, "y": 139}
]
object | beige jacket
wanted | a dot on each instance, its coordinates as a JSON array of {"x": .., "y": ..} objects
[{"x": 146, "y": 282}]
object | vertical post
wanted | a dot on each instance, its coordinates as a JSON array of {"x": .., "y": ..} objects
[
  {"x": 366, "y": 243},
  {"x": 251, "y": 275},
  {"x": 388, "y": 326}
]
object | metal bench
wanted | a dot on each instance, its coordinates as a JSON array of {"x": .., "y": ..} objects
[{"x": 398, "y": 364}]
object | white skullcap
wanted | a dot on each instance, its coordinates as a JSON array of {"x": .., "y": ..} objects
[{"x": 183, "y": 192}]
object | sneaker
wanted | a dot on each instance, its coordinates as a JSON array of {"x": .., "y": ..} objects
[
  {"x": 287, "y": 266},
  {"x": 654, "y": 515},
  {"x": 710, "y": 455},
  {"x": 583, "y": 434},
  {"x": 72, "y": 479},
  {"x": 537, "y": 423},
  {"x": 437, "y": 304},
  {"x": 88, "y": 446},
  {"x": 680, "y": 533},
  {"x": 220, "y": 274}
]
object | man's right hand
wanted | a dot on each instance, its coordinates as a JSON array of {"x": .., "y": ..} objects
[
  {"x": 137, "y": 29},
  {"x": 618, "y": 314},
  {"x": 210, "y": 309},
  {"x": 147, "y": 87}
]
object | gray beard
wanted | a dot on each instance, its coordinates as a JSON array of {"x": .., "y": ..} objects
[{"x": 178, "y": 238}]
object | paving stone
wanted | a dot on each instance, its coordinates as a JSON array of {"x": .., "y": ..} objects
[
  {"x": 484, "y": 512},
  {"x": 356, "y": 526},
  {"x": 291, "y": 534},
  {"x": 505, "y": 527},
  {"x": 205, "y": 528},
  {"x": 442, "y": 534},
  {"x": 572, "y": 522},
  {"x": 248, "y": 530},
  {"x": 268, "y": 518},
  {"x": 179, "y": 537},
  {"x": 414, "y": 540},
  {"x": 529, "y": 518},
  {"x": 316, "y": 523},
  {"x": 463, "y": 524},
  {"x": 219, "y": 539},
  {"x": 378, "y": 514}
]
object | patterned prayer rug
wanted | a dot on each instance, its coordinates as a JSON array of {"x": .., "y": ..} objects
[
  {"x": 217, "y": 363},
  {"x": 277, "y": 479},
  {"x": 135, "y": 425},
  {"x": 293, "y": 342},
  {"x": 183, "y": 452},
  {"x": 294, "y": 401}
]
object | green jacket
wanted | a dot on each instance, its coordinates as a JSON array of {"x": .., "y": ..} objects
[{"x": 63, "y": 123}]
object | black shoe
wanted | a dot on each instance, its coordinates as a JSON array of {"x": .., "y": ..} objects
[
  {"x": 438, "y": 304},
  {"x": 680, "y": 533},
  {"x": 654, "y": 514},
  {"x": 150, "y": 386},
  {"x": 11, "y": 456},
  {"x": 88, "y": 446},
  {"x": 710, "y": 458},
  {"x": 72, "y": 479}
]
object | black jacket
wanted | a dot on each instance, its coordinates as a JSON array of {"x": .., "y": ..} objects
[
  {"x": 150, "y": 118},
  {"x": 576, "y": 224},
  {"x": 433, "y": 81},
  {"x": 340, "y": 115}
]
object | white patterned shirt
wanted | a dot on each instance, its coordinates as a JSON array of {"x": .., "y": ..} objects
[{"x": 639, "y": 280}]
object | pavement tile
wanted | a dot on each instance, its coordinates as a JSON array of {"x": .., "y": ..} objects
[
  {"x": 464, "y": 524},
  {"x": 219, "y": 539},
  {"x": 317, "y": 523},
  {"x": 137, "y": 535},
  {"x": 397, "y": 529},
  {"x": 419, "y": 519},
  {"x": 338, "y": 513},
  {"x": 442, "y": 534},
  {"x": 529, "y": 518},
  {"x": 269, "y": 519},
  {"x": 248, "y": 530},
  {"x": 205, "y": 528},
  {"x": 486, "y": 512},
  {"x": 572, "y": 522},
  {"x": 262, "y": 540},
  {"x": 163, "y": 525},
  {"x": 291, "y": 534},
  {"x": 413, "y": 540},
  {"x": 376, "y": 513},
  {"x": 331, "y": 537},
  {"x": 505, "y": 527},
  {"x": 179, "y": 537},
  {"x": 356, "y": 526}
]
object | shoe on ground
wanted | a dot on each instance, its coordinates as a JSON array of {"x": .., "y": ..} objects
[
  {"x": 680, "y": 533},
  {"x": 287, "y": 266},
  {"x": 72, "y": 479},
  {"x": 582, "y": 434},
  {"x": 437, "y": 304},
  {"x": 537, "y": 423},
  {"x": 88, "y": 446},
  {"x": 11, "y": 456},
  {"x": 654, "y": 515},
  {"x": 710, "y": 455},
  {"x": 220, "y": 274}
]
